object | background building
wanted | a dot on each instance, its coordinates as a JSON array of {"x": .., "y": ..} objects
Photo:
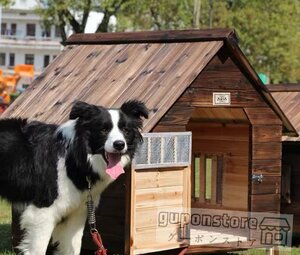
[{"x": 24, "y": 40}]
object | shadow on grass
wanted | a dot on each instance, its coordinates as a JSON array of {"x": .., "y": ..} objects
[{"x": 5, "y": 238}]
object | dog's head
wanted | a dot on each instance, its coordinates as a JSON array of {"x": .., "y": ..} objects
[{"x": 110, "y": 132}]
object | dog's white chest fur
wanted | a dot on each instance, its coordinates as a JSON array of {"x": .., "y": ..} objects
[{"x": 68, "y": 212}]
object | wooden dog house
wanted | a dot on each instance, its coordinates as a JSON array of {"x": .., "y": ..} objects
[
  {"x": 197, "y": 84},
  {"x": 288, "y": 98}
]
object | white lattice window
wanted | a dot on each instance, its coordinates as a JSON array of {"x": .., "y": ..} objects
[{"x": 164, "y": 150}]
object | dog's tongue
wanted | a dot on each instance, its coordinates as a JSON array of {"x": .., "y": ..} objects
[{"x": 114, "y": 166}]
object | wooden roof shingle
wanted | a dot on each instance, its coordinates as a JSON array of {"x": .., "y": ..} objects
[
  {"x": 288, "y": 98},
  {"x": 110, "y": 68},
  {"x": 109, "y": 75}
]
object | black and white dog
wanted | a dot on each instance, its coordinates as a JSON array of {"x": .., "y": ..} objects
[{"x": 45, "y": 167}]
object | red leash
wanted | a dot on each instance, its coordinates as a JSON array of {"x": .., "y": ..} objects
[
  {"x": 91, "y": 216},
  {"x": 183, "y": 251},
  {"x": 98, "y": 242}
]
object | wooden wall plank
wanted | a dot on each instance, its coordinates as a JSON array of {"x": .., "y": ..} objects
[
  {"x": 232, "y": 141},
  {"x": 154, "y": 190},
  {"x": 157, "y": 178},
  {"x": 267, "y": 151},
  {"x": 266, "y": 133},
  {"x": 265, "y": 203},
  {"x": 156, "y": 197},
  {"x": 266, "y": 167},
  {"x": 199, "y": 97},
  {"x": 269, "y": 185},
  {"x": 179, "y": 114},
  {"x": 262, "y": 116}
]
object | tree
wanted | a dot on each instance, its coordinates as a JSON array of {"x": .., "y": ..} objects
[
  {"x": 5, "y": 3},
  {"x": 75, "y": 13},
  {"x": 268, "y": 30},
  {"x": 269, "y": 36}
]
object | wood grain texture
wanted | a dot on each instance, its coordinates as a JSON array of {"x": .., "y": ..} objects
[
  {"x": 152, "y": 36},
  {"x": 109, "y": 75},
  {"x": 289, "y": 87},
  {"x": 261, "y": 116},
  {"x": 267, "y": 151},
  {"x": 270, "y": 185},
  {"x": 265, "y": 203},
  {"x": 288, "y": 100},
  {"x": 156, "y": 190},
  {"x": 232, "y": 141},
  {"x": 266, "y": 133}
]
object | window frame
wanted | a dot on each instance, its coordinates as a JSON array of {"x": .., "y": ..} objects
[
  {"x": 31, "y": 29},
  {"x": 27, "y": 57},
  {"x": 217, "y": 168},
  {"x": 2, "y": 59},
  {"x": 12, "y": 59}
]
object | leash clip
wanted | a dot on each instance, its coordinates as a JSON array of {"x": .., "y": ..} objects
[{"x": 89, "y": 181}]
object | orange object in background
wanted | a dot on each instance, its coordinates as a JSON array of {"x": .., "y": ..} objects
[
  {"x": 1, "y": 73},
  {"x": 11, "y": 83},
  {"x": 5, "y": 97},
  {"x": 24, "y": 70}
]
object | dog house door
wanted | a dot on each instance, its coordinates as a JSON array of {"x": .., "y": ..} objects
[{"x": 160, "y": 197}]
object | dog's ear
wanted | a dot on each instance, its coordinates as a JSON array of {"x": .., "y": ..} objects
[
  {"x": 83, "y": 110},
  {"x": 135, "y": 109}
]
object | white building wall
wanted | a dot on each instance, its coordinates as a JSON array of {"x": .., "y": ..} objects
[{"x": 21, "y": 14}]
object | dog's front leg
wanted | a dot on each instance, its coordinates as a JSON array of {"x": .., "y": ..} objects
[
  {"x": 38, "y": 225},
  {"x": 68, "y": 234}
]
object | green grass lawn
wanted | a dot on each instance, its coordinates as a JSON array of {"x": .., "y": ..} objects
[{"x": 5, "y": 232}]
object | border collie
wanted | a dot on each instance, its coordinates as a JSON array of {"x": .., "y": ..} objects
[{"x": 44, "y": 168}]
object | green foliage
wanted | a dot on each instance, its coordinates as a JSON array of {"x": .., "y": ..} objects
[
  {"x": 6, "y": 3},
  {"x": 268, "y": 30},
  {"x": 269, "y": 33}
]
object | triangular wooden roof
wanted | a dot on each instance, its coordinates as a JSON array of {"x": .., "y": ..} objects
[
  {"x": 288, "y": 98},
  {"x": 110, "y": 68}
]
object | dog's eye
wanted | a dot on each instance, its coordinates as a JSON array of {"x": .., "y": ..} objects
[
  {"x": 125, "y": 130},
  {"x": 105, "y": 130}
]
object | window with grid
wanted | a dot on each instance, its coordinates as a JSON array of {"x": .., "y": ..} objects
[
  {"x": 11, "y": 59},
  {"x": 30, "y": 29},
  {"x": 13, "y": 30},
  {"x": 46, "y": 60},
  {"x": 29, "y": 59},
  {"x": 164, "y": 150},
  {"x": 2, "y": 59},
  {"x": 3, "y": 29},
  {"x": 208, "y": 178}
]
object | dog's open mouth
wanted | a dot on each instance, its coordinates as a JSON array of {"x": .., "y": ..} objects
[{"x": 114, "y": 165}]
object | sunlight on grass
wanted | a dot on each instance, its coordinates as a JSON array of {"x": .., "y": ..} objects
[{"x": 5, "y": 231}]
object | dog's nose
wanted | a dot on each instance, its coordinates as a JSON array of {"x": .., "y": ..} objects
[{"x": 119, "y": 145}]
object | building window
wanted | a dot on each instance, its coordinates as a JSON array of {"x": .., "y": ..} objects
[
  {"x": 57, "y": 31},
  {"x": 30, "y": 30},
  {"x": 29, "y": 59},
  {"x": 11, "y": 59},
  {"x": 208, "y": 178},
  {"x": 3, "y": 28},
  {"x": 46, "y": 60},
  {"x": 46, "y": 32},
  {"x": 2, "y": 59},
  {"x": 13, "y": 29}
]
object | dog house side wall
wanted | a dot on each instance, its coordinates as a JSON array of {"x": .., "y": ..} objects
[{"x": 223, "y": 75}]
